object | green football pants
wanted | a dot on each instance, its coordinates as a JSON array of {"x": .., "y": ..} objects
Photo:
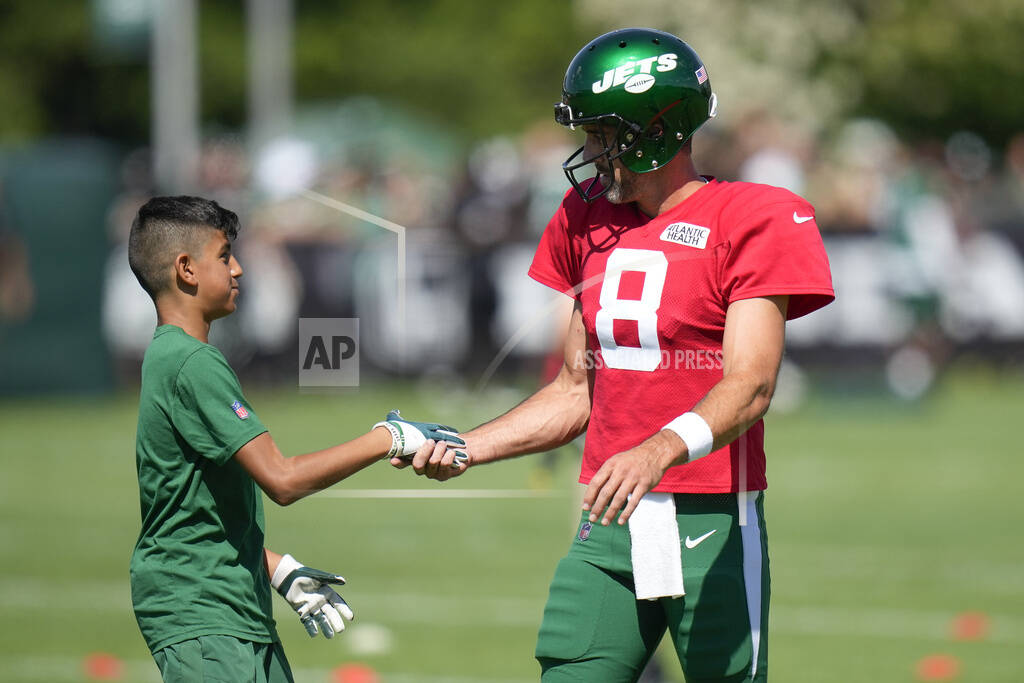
[
  {"x": 223, "y": 658},
  {"x": 594, "y": 628}
]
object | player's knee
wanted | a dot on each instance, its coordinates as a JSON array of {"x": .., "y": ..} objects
[
  {"x": 554, "y": 670},
  {"x": 589, "y": 670}
]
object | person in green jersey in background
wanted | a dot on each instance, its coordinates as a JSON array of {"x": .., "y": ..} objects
[{"x": 200, "y": 576}]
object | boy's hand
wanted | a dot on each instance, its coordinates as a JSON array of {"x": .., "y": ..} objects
[
  {"x": 309, "y": 593},
  {"x": 407, "y": 436}
]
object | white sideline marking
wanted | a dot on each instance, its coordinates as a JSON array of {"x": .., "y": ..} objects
[
  {"x": 886, "y": 623},
  {"x": 22, "y": 593},
  {"x": 417, "y": 608},
  {"x": 441, "y": 493},
  {"x": 388, "y": 607}
]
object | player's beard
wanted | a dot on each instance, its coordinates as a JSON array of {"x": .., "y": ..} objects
[{"x": 621, "y": 189}]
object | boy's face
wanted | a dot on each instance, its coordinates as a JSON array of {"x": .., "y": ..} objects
[{"x": 218, "y": 273}]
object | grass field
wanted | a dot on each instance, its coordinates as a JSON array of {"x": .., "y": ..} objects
[{"x": 886, "y": 521}]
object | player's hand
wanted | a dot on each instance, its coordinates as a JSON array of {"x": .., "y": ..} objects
[
  {"x": 624, "y": 479},
  {"x": 409, "y": 438},
  {"x": 439, "y": 460},
  {"x": 309, "y": 593}
]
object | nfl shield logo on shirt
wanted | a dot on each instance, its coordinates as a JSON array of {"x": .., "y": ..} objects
[
  {"x": 240, "y": 410},
  {"x": 585, "y": 531}
]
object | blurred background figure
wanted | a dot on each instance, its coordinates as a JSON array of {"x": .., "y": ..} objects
[{"x": 922, "y": 204}]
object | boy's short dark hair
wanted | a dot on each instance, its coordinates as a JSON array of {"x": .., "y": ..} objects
[{"x": 167, "y": 226}]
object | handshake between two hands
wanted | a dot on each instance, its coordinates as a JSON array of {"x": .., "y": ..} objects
[
  {"x": 308, "y": 590},
  {"x": 443, "y": 460}
]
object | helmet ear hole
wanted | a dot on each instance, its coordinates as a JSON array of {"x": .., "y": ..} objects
[{"x": 655, "y": 131}]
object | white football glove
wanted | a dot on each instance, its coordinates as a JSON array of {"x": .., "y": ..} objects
[
  {"x": 407, "y": 436},
  {"x": 309, "y": 593}
]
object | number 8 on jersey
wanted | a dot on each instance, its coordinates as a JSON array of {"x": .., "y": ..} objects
[{"x": 644, "y": 310}]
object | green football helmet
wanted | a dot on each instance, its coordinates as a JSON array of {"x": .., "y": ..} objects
[{"x": 648, "y": 92}]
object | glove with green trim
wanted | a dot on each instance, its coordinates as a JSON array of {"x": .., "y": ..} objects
[
  {"x": 309, "y": 593},
  {"x": 407, "y": 436}
]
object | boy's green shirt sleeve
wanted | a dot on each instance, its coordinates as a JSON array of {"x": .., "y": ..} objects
[{"x": 211, "y": 412}]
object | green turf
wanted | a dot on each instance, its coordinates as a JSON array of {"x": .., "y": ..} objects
[{"x": 885, "y": 520}]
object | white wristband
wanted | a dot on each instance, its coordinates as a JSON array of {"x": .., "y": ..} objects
[{"x": 695, "y": 433}]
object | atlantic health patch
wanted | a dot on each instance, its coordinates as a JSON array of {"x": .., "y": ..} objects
[{"x": 687, "y": 234}]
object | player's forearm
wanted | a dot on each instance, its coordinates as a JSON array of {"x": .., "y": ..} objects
[
  {"x": 287, "y": 480},
  {"x": 752, "y": 346},
  {"x": 732, "y": 406},
  {"x": 735, "y": 404},
  {"x": 553, "y": 416},
  {"x": 312, "y": 472}
]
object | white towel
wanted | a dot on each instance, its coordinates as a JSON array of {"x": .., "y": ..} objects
[{"x": 654, "y": 536}]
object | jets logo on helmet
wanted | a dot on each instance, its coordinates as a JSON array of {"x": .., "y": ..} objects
[
  {"x": 645, "y": 90},
  {"x": 622, "y": 74}
]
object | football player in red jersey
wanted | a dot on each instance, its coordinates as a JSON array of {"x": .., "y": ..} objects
[{"x": 682, "y": 286}]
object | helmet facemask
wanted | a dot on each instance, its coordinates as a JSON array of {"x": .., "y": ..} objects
[{"x": 626, "y": 137}]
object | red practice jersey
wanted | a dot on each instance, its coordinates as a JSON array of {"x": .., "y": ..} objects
[{"x": 654, "y": 293}]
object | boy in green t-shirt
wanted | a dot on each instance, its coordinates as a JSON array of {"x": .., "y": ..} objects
[{"x": 200, "y": 575}]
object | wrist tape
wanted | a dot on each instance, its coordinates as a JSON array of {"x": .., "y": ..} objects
[{"x": 695, "y": 433}]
